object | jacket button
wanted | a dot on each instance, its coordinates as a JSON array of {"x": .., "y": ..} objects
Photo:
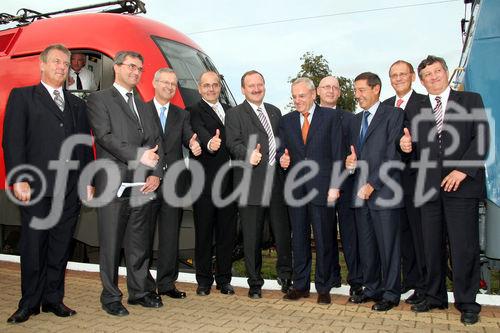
[{"x": 61, "y": 125}]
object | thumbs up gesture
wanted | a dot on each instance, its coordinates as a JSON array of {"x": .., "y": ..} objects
[
  {"x": 150, "y": 157},
  {"x": 256, "y": 156},
  {"x": 285, "y": 160},
  {"x": 350, "y": 161},
  {"x": 194, "y": 145},
  {"x": 405, "y": 141},
  {"x": 216, "y": 141}
]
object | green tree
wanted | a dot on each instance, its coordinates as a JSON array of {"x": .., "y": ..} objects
[{"x": 316, "y": 67}]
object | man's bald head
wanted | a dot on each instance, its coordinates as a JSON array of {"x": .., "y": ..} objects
[{"x": 329, "y": 91}]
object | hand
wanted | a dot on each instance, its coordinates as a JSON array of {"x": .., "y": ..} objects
[
  {"x": 152, "y": 183},
  {"x": 405, "y": 141},
  {"x": 333, "y": 195},
  {"x": 256, "y": 156},
  {"x": 285, "y": 160},
  {"x": 350, "y": 161},
  {"x": 365, "y": 191},
  {"x": 452, "y": 181},
  {"x": 90, "y": 192},
  {"x": 194, "y": 145},
  {"x": 70, "y": 80},
  {"x": 215, "y": 142},
  {"x": 22, "y": 191},
  {"x": 150, "y": 157}
]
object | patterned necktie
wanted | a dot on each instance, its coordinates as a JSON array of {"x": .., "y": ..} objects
[
  {"x": 270, "y": 136},
  {"x": 163, "y": 117},
  {"x": 364, "y": 129},
  {"x": 305, "y": 127},
  {"x": 439, "y": 114},
  {"x": 58, "y": 100},
  {"x": 130, "y": 102},
  {"x": 218, "y": 113},
  {"x": 79, "y": 85},
  {"x": 399, "y": 102}
]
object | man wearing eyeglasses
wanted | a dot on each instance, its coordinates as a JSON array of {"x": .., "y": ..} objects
[
  {"x": 402, "y": 75},
  {"x": 329, "y": 92},
  {"x": 126, "y": 135},
  {"x": 175, "y": 132},
  {"x": 207, "y": 119}
]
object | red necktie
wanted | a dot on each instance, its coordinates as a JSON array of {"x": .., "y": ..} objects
[{"x": 399, "y": 102}]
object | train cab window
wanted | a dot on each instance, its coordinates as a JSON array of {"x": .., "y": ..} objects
[
  {"x": 89, "y": 71},
  {"x": 188, "y": 63}
]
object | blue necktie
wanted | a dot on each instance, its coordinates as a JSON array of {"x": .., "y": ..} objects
[
  {"x": 163, "y": 117},
  {"x": 364, "y": 129}
]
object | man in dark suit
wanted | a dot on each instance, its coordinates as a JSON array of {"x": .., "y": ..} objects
[
  {"x": 251, "y": 129},
  {"x": 312, "y": 134},
  {"x": 38, "y": 120},
  {"x": 126, "y": 135},
  {"x": 175, "y": 128},
  {"x": 377, "y": 200},
  {"x": 207, "y": 120},
  {"x": 455, "y": 137},
  {"x": 329, "y": 92},
  {"x": 402, "y": 75}
]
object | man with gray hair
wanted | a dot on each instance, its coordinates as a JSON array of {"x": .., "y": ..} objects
[
  {"x": 311, "y": 135},
  {"x": 126, "y": 134}
]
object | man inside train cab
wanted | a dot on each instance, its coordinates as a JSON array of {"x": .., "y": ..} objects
[{"x": 79, "y": 76}]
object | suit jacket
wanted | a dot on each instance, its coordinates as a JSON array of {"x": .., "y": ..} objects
[
  {"x": 205, "y": 122},
  {"x": 409, "y": 175},
  {"x": 34, "y": 131},
  {"x": 471, "y": 136},
  {"x": 384, "y": 129},
  {"x": 241, "y": 123},
  {"x": 118, "y": 135},
  {"x": 323, "y": 146},
  {"x": 177, "y": 133}
]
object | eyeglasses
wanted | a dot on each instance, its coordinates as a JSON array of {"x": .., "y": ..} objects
[
  {"x": 168, "y": 83},
  {"x": 329, "y": 87},
  {"x": 397, "y": 75},
  {"x": 60, "y": 62},
  {"x": 134, "y": 67},
  {"x": 208, "y": 86}
]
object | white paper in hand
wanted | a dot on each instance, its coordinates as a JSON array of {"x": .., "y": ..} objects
[{"x": 124, "y": 186}]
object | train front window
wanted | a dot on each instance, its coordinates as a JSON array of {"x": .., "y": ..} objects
[{"x": 188, "y": 64}]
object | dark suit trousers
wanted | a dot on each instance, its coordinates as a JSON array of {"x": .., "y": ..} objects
[
  {"x": 121, "y": 225},
  {"x": 210, "y": 221},
  {"x": 45, "y": 253},
  {"x": 379, "y": 245},
  {"x": 252, "y": 225},
  {"x": 326, "y": 274},
  {"x": 459, "y": 217},
  {"x": 412, "y": 251},
  {"x": 168, "y": 219}
]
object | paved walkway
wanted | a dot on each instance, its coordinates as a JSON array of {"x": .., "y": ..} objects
[{"x": 222, "y": 313}]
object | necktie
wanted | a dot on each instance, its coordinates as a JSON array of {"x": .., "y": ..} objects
[
  {"x": 218, "y": 113},
  {"x": 305, "y": 127},
  {"x": 163, "y": 117},
  {"x": 58, "y": 100},
  {"x": 438, "y": 114},
  {"x": 399, "y": 102},
  {"x": 130, "y": 102},
  {"x": 364, "y": 129},
  {"x": 79, "y": 85},
  {"x": 270, "y": 136}
]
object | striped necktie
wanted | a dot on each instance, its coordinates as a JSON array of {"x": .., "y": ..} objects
[
  {"x": 439, "y": 114},
  {"x": 270, "y": 136},
  {"x": 58, "y": 100},
  {"x": 364, "y": 129}
]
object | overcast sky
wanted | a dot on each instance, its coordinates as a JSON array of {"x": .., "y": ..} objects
[{"x": 354, "y": 36}]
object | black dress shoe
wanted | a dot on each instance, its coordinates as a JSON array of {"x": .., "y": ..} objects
[
  {"x": 384, "y": 305},
  {"x": 115, "y": 309},
  {"x": 148, "y": 301},
  {"x": 226, "y": 289},
  {"x": 21, "y": 315},
  {"x": 469, "y": 318},
  {"x": 355, "y": 290},
  {"x": 415, "y": 298},
  {"x": 154, "y": 294},
  {"x": 255, "y": 293},
  {"x": 363, "y": 298},
  {"x": 324, "y": 298},
  {"x": 425, "y": 306},
  {"x": 294, "y": 294},
  {"x": 285, "y": 284},
  {"x": 58, "y": 309},
  {"x": 202, "y": 291},
  {"x": 173, "y": 293}
]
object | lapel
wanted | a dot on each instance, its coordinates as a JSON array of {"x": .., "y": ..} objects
[
  {"x": 315, "y": 123},
  {"x": 358, "y": 118},
  {"x": 392, "y": 101},
  {"x": 255, "y": 120},
  {"x": 273, "y": 117},
  {"x": 118, "y": 98},
  {"x": 412, "y": 101},
  {"x": 296, "y": 129},
  {"x": 379, "y": 115},
  {"x": 49, "y": 103},
  {"x": 172, "y": 119},
  {"x": 210, "y": 112},
  {"x": 430, "y": 124}
]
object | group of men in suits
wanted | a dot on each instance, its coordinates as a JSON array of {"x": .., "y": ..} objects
[{"x": 308, "y": 168}]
